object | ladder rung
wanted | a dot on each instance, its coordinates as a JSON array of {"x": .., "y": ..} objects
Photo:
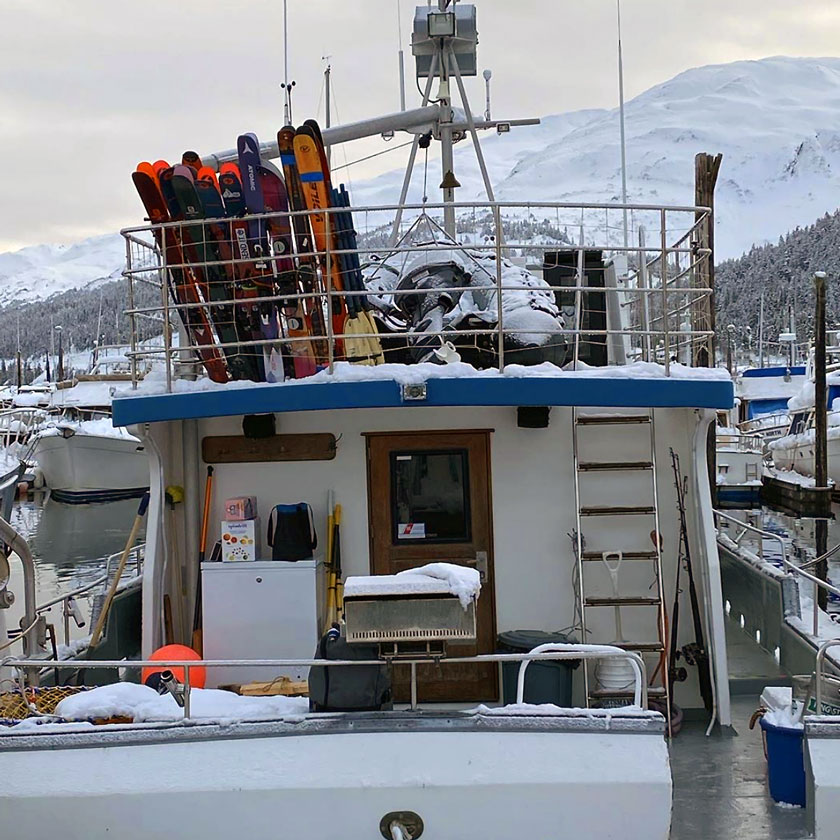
[
  {"x": 589, "y": 556},
  {"x": 604, "y": 694},
  {"x": 612, "y": 419},
  {"x": 614, "y": 465},
  {"x": 618, "y": 510},
  {"x": 621, "y": 601}
]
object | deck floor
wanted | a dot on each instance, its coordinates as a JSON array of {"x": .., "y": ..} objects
[{"x": 720, "y": 782}]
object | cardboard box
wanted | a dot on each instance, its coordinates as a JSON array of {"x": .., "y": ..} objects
[
  {"x": 240, "y": 540},
  {"x": 240, "y": 508}
]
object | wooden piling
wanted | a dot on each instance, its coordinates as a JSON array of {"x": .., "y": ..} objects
[{"x": 820, "y": 427}]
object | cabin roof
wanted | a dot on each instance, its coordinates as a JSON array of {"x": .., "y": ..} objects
[{"x": 639, "y": 385}]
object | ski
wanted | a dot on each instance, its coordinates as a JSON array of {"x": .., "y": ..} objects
[
  {"x": 276, "y": 200},
  {"x": 248, "y": 149},
  {"x": 307, "y": 265},
  {"x": 201, "y": 249},
  {"x": 315, "y": 183},
  {"x": 182, "y": 287}
]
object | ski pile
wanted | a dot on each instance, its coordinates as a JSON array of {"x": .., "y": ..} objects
[{"x": 260, "y": 295}]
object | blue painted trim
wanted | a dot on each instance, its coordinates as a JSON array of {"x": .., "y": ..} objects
[
  {"x": 306, "y": 177},
  {"x": 481, "y": 391},
  {"x": 288, "y": 158},
  {"x": 759, "y": 373}
]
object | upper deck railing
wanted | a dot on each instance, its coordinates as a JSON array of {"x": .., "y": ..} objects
[{"x": 522, "y": 283}]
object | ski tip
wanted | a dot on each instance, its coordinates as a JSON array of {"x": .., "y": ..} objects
[
  {"x": 230, "y": 167},
  {"x": 191, "y": 159}
]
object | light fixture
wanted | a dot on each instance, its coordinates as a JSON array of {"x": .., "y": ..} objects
[{"x": 441, "y": 24}]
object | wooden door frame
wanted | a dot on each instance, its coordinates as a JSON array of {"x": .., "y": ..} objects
[{"x": 428, "y": 439}]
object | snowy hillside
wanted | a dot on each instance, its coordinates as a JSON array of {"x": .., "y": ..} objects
[
  {"x": 777, "y": 122},
  {"x": 39, "y": 271}
]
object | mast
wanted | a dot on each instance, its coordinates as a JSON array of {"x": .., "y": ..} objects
[
  {"x": 327, "y": 71},
  {"x": 621, "y": 121},
  {"x": 287, "y": 87},
  {"x": 401, "y": 57}
]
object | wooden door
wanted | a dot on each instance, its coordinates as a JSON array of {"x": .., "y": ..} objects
[{"x": 429, "y": 499}]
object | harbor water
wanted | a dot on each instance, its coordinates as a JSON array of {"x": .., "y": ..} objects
[{"x": 70, "y": 544}]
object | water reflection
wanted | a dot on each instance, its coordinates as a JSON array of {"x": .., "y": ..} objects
[{"x": 69, "y": 544}]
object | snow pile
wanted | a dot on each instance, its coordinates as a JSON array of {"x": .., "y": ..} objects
[
  {"x": 102, "y": 427},
  {"x": 462, "y": 581},
  {"x": 431, "y": 579},
  {"x": 141, "y": 703},
  {"x": 528, "y": 304},
  {"x": 787, "y": 718}
]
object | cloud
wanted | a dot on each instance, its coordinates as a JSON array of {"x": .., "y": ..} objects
[{"x": 93, "y": 86}]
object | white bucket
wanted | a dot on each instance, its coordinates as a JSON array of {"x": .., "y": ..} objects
[{"x": 615, "y": 675}]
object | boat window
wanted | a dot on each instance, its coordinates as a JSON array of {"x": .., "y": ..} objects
[
  {"x": 798, "y": 423},
  {"x": 430, "y": 497}
]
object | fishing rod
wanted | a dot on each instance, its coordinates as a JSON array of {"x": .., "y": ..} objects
[{"x": 694, "y": 653}]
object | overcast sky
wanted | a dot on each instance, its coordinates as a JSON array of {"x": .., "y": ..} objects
[{"x": 90, "y": 87}]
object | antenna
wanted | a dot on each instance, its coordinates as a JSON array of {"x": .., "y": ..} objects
[
  {"x": 400, "y": 52},
  {"x": 327, "y": 71},
  {"x": 488, "y": 74},
  {"x": 287, "y": 85},
  {"x": 621, "y": 120}
]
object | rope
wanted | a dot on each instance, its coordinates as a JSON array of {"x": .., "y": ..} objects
[{"x": 21, "y": 636}]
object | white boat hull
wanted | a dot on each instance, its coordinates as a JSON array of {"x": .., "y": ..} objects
[
  {"x": 87, "y": 466},
  {"x": 789, "y": 454},
  {"x": 561, "y": 777}
]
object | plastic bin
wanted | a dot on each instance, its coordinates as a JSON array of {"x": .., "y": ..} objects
[
  {"x": 545, "y": 682},
  {"x": 785, "y": 764}
]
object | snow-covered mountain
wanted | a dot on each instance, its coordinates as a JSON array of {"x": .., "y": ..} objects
[
  {"x": 39, "y": 271},
  {"x": 777, "y": 122}
]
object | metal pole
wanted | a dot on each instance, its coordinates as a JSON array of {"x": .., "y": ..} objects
[
  {"x": 820, "y": 431},
  {"x": 621, "y": 120},
  {"x": 645, "y": 302},
  {"x": 447, "y": 162},
  {"x": 663, "y": 270},
  {"x": 761, "y": 331},
  {"x": 395, "y": 230},
  {"x": 327, "y": 107},
  {"x": 402, "y": 62}
]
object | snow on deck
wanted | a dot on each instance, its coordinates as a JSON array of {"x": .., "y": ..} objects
[
  {"x": 155, "y": 382},
  {"x": 141, "y": 703}
]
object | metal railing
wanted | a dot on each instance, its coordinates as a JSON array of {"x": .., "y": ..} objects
[
  {"x": 135, "y": 558},
  {"x": 767, "y": 426},
  {"x": 818, "y": 671},
  {"x": 543, "y": 653},
  {"x": 789, "y": 566},
  {"x": 741, "y": 442},
  {"x": 18, "y": 424},
  {"x": 197, "y": 273}
]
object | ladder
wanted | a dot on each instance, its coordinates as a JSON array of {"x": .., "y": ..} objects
[{"x": 595, "y": 501}]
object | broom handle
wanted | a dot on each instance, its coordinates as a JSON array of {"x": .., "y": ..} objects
[{"x": 112, "y": 590}]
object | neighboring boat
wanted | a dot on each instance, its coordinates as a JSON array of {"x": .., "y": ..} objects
[
  {"x": 763, "y": 395},
  {"x": 740, "y": 463},
  {"x": 91, "y": 460}
]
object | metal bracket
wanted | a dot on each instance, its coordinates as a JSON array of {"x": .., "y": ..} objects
[{"x": 413, "y": 393}]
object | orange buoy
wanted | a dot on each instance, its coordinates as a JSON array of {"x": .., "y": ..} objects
[{"x": 176, "y": 653}]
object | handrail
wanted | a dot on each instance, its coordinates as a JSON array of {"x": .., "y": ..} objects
[
  {"x": 818, "y": 670},
  {"x": 789, "y": 564},
  {"x": 19, "y": 546},
  {"x": 557, "y": 652},
  {"x": 584, "y": 651}
]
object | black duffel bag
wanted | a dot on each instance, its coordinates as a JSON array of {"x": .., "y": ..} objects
[{"x": 348, "y": 688}]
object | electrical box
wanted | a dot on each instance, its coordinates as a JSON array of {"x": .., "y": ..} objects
[{"x": 262, "y": 610}]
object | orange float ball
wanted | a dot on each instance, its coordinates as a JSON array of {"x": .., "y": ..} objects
[{"x": 177, "y": 653}]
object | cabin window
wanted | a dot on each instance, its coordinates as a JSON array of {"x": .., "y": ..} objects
[
  {"x": 799, "y": 423},
  {"x": 430, "y": 496}
]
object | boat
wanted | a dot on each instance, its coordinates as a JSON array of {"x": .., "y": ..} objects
[
  {"x": 81, "y": 455},
  {"x": 763, "y": 395},
  {"x": 414, "y": 514},
  {"x": 739, "y": 462}
]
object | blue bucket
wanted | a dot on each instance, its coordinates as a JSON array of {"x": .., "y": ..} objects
[{"x": 785, "y": 764}]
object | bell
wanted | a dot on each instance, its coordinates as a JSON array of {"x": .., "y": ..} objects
[{"x": 449, "y": 182}]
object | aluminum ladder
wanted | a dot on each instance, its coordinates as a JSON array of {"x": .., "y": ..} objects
[{"x": 586, "y": 422}]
